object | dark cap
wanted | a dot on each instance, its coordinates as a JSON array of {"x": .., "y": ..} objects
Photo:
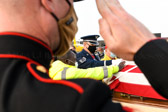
[{"x": 91, "y": 38}]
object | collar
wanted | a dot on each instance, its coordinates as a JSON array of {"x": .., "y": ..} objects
[
  {"x": 85, "y": 52},
  {"x": 18, "y": 44}
]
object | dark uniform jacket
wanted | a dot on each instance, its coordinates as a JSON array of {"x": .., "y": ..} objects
[
  {"x": 26, "y": 87},
  {"x": 152, "y": 59},
  {"x": 85, "y": 60}
]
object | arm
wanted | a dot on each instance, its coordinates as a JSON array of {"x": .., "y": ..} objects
[
  {"x": 127, "y": 38},
  {"x": 122, "y": 33},
  {"x": 97, "y": 98},
  {"x": 97, "y": 73},
  {"x": 152, "y": 59},
  {"x": 88, "y": 63},
  {"x": 109, "y": 106}
]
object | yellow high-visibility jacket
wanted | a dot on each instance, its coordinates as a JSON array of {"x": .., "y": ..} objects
[
  {"x": 106, "y": 58},
  {"x": 60, "y": 70}
]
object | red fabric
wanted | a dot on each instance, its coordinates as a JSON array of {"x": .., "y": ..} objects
[
  {"x": 127, "y": 67},
  {"x": 138, "y": 90},
  {"x": 115, "y": 83},
  {"x": 135, "y": 70},
  {"x": 105, "y": 47},
  {"x": 127, "y": 109},
  {"x": 134, "y": 89},
  {"x": 50, "y": 81},
  {"x": 93, "y": 56}
]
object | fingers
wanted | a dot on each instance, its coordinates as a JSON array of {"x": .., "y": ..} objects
[
  {"x": 104, "y": 10},
  {"x": 121, "y": 65},
  {"x": 114, "y": 6},
  {"x": 105, "y": 32}
]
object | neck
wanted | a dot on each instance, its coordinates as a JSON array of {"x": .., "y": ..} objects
[{"x": 12, "y": 22}]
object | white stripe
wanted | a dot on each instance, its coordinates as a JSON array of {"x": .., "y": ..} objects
[
  {"x": 131, "y": 69},
  {"x": 133, "y": 78},
  {"x": 118, "y": 76},
  {"x": 105, "y": 63}
]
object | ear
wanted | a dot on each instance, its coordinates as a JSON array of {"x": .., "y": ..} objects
[{"x": 48, "y": 5}]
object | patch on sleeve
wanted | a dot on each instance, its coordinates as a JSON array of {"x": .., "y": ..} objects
[{"x": 82, "y": 60}]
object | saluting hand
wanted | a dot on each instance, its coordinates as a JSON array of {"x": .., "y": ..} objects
[{"x": 122, "y": 33}]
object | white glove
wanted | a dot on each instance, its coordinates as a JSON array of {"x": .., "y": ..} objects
[{"x": 116, "y": 62}]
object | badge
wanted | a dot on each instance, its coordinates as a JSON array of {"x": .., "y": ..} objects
[{"x": 82, "y": 60}]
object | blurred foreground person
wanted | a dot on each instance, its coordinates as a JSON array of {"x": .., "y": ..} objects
[
  {"x": 30, "y": 31},
  {"x": 118, "y": 28},
  {"x": 64, "y": 68}
]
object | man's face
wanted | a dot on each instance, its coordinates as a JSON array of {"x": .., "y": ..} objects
[{"x": 60, "y": 9}]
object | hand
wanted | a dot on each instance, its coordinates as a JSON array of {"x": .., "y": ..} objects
[
  {"x": 122, "y": 33},
  {"x": 121, "y": 65}
]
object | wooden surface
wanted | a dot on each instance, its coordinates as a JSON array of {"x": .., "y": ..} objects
[{"x": 122, "y": 97}]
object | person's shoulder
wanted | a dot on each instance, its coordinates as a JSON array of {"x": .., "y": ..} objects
[
  {"x": 93, "y": 88},
  {"x": 82, "y": 53},
  {"x": 89, "y": 85}
]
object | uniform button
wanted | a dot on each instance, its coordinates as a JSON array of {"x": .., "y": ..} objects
[{"x": 41, "y": 69}]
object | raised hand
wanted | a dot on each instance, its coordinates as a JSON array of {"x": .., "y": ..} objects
[{"x": 122, "y": 33}]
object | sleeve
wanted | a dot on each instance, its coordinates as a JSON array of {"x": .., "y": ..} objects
[
  {"x": 97, "y": 73},
  {"x": 97, "y": 98},
  {"x": 84, "y": 63},
  {"x": 152, "y": 59},
  {"x": 112, "y": 107}
]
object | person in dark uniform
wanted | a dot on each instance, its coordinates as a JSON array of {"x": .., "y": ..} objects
[
  {"x": 30, "y": 32},
  {"x": 86, "y": 58}
]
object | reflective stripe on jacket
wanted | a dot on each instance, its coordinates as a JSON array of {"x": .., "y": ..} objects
[{"x": 59, "y": 71}]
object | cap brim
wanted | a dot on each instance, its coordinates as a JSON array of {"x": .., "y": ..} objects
[
  {"x": 92, "y": 42},
  {"x": 77, "y": 0}
]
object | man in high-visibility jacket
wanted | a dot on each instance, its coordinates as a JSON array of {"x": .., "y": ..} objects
[{"x": 64, "y": 68}]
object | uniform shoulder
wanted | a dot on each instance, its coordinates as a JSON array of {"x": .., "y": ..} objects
[
  {"x": 91, "y": 85},
  {"x": 95, "y": 94},
  {"x": 79, "y": 53}
]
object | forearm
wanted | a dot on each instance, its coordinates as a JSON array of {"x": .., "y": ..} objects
[
  {"x": 97, "y": 73},
  {"x": 152, "y": 60}
]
